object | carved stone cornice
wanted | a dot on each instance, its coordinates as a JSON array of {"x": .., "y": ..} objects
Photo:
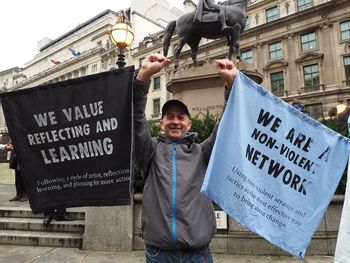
[
  {"x": 275, "y": 64},
  {"x": 21, "y": 75},
  {"x": 309, "y": 56},
  {"x": 347, "y": 46}
]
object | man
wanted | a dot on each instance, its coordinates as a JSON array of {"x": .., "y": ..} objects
[
  {"x": 341, "y": 106},
  {"x": 19, "y": 183},
  {"x": 6, "y": 147},
  {"x": 209, "y": 5},
  {"x": 21, "y": 193},
  {"x": 178, "y": 223}
]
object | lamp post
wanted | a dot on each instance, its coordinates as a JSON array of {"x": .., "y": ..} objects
[{"x": 122, "y": 36}]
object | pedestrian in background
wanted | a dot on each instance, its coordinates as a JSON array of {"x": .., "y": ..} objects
[{"x": 21, "y": 193}]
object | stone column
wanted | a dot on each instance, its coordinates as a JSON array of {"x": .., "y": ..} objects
[
  {"x": 291, "y": 84},
  {"x": 327, "y": 66}
]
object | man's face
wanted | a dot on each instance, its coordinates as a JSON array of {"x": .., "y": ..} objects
[{"x": 175, "y": 123}]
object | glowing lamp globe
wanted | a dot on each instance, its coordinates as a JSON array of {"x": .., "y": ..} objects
[{"x": 122, "y": 35}]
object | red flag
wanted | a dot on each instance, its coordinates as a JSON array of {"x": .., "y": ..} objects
[{"x": 56, "y": 62}]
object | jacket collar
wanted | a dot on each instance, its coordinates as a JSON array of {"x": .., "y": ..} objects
[{"x": 187, "y": 139}]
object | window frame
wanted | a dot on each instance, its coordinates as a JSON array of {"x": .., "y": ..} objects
[
  {"x": 279, "y": 52},
  {"x": 154, "y": 112},
  {"x": 318, "y": 114},
  {"x": 156, "y": 82},
  {"x": 301, "y": 7},
  {"x": 347, "y": 69},
  {"x": 346, "y": 31},
  {"x": 279, "y": 91},
  {"x": 309, "y": 42},
  {"x": 274, "y": 16},
  {"x": 311, "y": 87},
  {"x": 247, "y": 59}
]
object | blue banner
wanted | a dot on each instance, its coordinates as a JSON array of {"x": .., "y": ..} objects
[{"x": 274, "y": 169}]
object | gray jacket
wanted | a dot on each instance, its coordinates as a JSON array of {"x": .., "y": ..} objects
[{"x": 174, "y": 214}]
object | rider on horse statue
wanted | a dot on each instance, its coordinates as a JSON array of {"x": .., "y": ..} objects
[{"x": 211, "y": 6}]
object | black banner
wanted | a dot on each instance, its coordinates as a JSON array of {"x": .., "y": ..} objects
[{"x": 73, "y": 140}]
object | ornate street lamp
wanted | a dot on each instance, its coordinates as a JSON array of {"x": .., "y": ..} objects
[{"x": 122, "y": 36}]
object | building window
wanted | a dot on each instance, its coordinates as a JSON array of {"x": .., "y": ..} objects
[
  {"x": 345, "y": 30},
  {"x": 277, "y": 83},
  {"x": 275, "y": 50},
  {"x": 247, "y": 56},
  {"x": 272, "y": 14},
  {"x": 93, "y": 68},
  {"x": 315, "y": 110},
  {"x": 304, "y": 4},
  {"x": 156, "y": 108},
  {"x": 311, "y": 77},
  {"x": 76, "y": 74},
  {"x": 156, "y": 83},
  {"x": 347, "y": 69},
  {"x": 104, "y": 64},
  {"x": 141, "y": 60},
  {"x": 308, "y": 41},
  {"x": 83, "y": 71},
  {"x": 112, "y": 62}
]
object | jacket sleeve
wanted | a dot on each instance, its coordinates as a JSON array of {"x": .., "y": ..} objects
[
  {"x": 144, "y": 144},
  {"x": 207, "y": 145}
]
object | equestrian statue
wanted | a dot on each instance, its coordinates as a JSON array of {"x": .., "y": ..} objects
[{"x": 209, "y": 20}]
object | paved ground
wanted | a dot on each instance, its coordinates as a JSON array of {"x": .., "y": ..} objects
[{"x": 28, "y": 254}]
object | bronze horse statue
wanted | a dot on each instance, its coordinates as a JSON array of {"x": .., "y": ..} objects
[{"x": 191, "y": 32}]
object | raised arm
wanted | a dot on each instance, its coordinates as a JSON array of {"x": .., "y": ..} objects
[
  {"x": 144, "y": 144},
  {"x": 227, "y": 71}
]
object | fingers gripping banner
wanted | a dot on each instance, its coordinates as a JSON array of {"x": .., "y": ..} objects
[
  {"x": 73, "y": 140},
  {"x": 274, "y": 169}
]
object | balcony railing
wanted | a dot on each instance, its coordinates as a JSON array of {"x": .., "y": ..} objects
[
  {"x": 346, "y": 82},
  {"x": 319, "y": 87},
  {"x": 155, "y": 115},
  {"x": 280, "y": 93}
]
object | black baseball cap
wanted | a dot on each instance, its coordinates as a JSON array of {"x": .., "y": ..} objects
[{"x": 177, "y": 103}]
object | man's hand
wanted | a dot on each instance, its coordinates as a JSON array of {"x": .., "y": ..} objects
[
  {"x": 9, "y": 147},
  {"x": 227, "y": 71},
  {"x": 152, "y": 65}
]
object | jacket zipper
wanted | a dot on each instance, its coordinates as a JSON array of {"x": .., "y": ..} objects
[{"x": 173, "y": 196}]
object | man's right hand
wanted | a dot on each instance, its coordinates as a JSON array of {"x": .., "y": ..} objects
[
  {"x": 227, "y": 71},
  {"x": 152, "y": 65}
]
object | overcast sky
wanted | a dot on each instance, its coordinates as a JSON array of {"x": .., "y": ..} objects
[{"x": 23, "y": 23}]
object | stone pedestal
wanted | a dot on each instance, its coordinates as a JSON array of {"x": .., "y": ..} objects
[
  {"x": 109, "y": 228},
  {"x": 201, "y": 89}
]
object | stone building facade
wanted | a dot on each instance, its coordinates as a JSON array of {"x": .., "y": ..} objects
[
  {"x": 86, "y": 49},
  {"x": 301, "y": 49}
]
